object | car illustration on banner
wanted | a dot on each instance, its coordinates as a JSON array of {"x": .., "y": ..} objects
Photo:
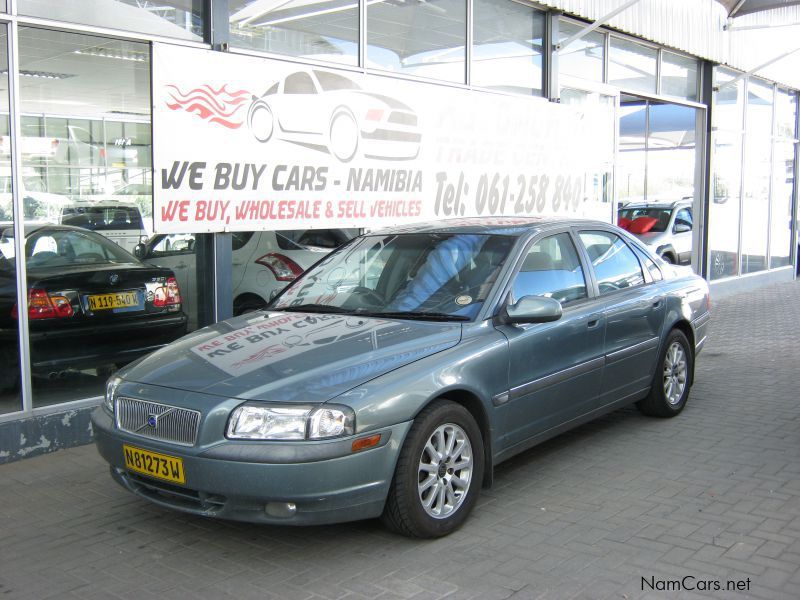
[{"x": 329, "y": 112}]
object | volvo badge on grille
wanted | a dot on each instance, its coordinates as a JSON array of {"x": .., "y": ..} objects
[
  {"x": 113, "y": 279},
  {"x": 152, "y": 420}
]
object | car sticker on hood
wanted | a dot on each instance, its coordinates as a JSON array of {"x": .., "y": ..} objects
[{"x": 276, "y": 338}]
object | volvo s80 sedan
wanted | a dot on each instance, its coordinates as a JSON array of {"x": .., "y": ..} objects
[{"x": 390, "y": 378}]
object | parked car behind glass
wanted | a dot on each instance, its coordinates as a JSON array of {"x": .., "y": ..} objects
[
  {"x": 664, "y": 226},
  {"x": 90, "y": 304},
  {"x": 389, "y": 379},
  {"x": 263, "y": 262}
]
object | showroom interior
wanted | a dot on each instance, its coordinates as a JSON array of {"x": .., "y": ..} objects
[{"x": 705, "y": 120}]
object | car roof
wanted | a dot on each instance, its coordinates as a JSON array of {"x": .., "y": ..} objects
[
  {"x": 657, "y": 204},
  {"x": 31, "y": 228},
  {"x": 511, "y": 226}
]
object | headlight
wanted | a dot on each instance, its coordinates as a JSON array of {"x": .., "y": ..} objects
[
  {"x": 111, "y": 390},
  {"x": 265, "y": 422}
]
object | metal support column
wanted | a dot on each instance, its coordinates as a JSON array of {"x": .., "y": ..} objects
[
  {"x": 703, "y": 221},
  {"x": 214, "y": 251},
  {"x": 26, "y": 386}
]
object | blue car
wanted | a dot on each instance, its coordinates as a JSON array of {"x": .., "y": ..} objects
[{"x": 390, "y": 378}]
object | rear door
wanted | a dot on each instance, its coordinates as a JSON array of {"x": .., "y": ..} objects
[
  {"x": 633, "y": 309},
  {"x": 555, "y": 369}
]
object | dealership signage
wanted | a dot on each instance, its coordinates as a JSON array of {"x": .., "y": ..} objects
[{"x": 244, "y": 143}]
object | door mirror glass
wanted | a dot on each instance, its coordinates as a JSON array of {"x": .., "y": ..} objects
[
  {"x": 533, "y": 309},
  {"x": 140, "y": 251}
]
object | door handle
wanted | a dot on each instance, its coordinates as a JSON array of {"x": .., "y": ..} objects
[
  {"x": 657, "y": 303},
  {"x": 593, "y": 322}
]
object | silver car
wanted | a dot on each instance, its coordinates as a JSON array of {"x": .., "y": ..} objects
[
  {"x": 664, "y": 226},
  {"x": 391, "y": 378}
]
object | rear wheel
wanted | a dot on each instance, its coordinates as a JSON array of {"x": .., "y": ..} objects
[
  {"x": 438, "y": 475},
  {"x": 672, "y": 380}
]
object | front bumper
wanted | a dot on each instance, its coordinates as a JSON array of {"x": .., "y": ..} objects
[{"x": 232, "y": 480}]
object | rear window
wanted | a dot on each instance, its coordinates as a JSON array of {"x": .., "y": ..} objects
[
  {"x": 661, "y": 215},
  {"x": 60, "y": 248},
  {"x": 103, "y": 218}
]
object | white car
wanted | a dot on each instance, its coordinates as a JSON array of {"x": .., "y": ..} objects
[
  {"x": 264, "y": 262},
  {"x": 329, "y": 112}
]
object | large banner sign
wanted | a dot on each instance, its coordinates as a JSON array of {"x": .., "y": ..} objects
[{"x": 244, "y": 143}]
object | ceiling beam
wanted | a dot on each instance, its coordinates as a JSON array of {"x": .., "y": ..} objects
[{"x": 599, "y": 22}]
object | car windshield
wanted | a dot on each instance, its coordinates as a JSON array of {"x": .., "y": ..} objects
[
  {"x": 662, "y": 215},
  {"x": 421, "y": 275}
]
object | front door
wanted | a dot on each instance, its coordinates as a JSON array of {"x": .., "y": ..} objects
[{"x": 555, "y": 368}]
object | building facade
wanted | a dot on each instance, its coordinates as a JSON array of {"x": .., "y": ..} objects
[{"x": 691, "y": 107}]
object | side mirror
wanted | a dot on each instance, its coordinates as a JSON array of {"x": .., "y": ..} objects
[
  {"x": 140, "y": 251},
  {"x": 682, "y": 227},
  {"x": 532, "y": 309}
]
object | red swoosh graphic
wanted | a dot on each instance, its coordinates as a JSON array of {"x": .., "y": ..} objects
[{"x": 214, "y": 105}]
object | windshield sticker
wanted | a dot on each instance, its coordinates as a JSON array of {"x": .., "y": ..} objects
[{"x": 463, "y": 300}]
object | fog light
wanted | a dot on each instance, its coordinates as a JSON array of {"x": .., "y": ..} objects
[{"x": 281, "y": 510}]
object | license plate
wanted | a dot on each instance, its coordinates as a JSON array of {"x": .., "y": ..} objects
[
  {"x": 116, "y": 300},
  {"x": 162, "y": 466}
]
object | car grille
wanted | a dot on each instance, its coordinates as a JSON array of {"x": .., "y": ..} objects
[{"x": 172, "y": 424}]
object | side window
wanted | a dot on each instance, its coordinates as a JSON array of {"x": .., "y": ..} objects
[
  {"x": 299, "y": 83},
  {"x": 615, "y": 265},
  {"x": 684, "y": 217},
  {"x": 652, "y": 267},
  {"x": 551, "y": 268},
  {"x": 239, "y": 239},
  {"x": 174, "y": 243}
]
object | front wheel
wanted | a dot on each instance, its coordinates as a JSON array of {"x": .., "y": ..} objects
[
  {"x": 438, "y": 475},
  {"x": 672, "y": 380}
]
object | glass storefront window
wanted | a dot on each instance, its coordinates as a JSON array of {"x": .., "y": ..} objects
[
  {"x": 85, "y": 145},
  {"x": 723, "y": 235},
  {"x": 10, "y": 398},
  {"x": 780, "y": 240},
  {"x": 180, "y": 19},
  {"x": 726, "y": 172},
  {"x": 785, "y": 114},
  {"x": 632, "y": 157},
  {"x": 583, "y": 58},
  {"x": 322, "y": 31},
  {"x": 783, "y": 179},
  {"x": 426, "y": 39},
  {"x": 507, "y": 46},
  {"x": 671, "y": 151},
  {"x": 678, "y": 75},
  {"x": 755, "y": 201},
  {"x": 632, "y": 66}
]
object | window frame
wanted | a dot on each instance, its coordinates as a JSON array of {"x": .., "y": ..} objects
[
  {"x": 524, "y": 255},
  {"x": 646, "y": 277}
]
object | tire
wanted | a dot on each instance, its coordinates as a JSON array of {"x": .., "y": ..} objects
[
  {"x": 343, "y": 136},
  {"x": 672, "y": 380},
  {"x": 434, "y": 427},
  {"x": 261, "y": 121},
  {"x": 247, "y": 304}
]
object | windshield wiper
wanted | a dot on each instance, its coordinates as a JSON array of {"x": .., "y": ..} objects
[
  {"x": 414, "y": 315},
  {"x": 314, "y": 308}
]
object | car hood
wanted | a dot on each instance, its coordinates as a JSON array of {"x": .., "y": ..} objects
[
  {"x": 290, "y": 357},
  {"x": 652, "y": 237}
]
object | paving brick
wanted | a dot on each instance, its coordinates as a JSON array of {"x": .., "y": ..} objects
[{"x": 714, "y": 493}]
